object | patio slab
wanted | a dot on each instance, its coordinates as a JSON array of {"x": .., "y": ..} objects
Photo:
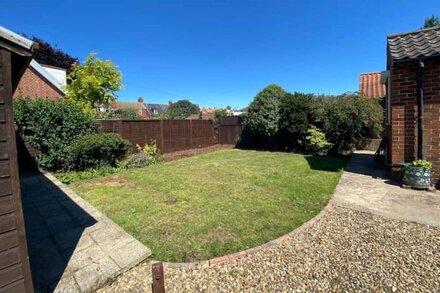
[
  {"x": 72, "y": 246},
  {"x": 366, "y": 187}
]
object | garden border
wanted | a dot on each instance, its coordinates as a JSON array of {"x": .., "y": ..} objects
[{"x": 236, "y": 255}]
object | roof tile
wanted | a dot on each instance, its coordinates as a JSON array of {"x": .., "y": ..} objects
[
  {"x": 370, "y": 86},
  {"x": 412, "y": 45}
]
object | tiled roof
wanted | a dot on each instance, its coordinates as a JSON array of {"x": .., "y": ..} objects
[
  {"x": 129, "y": 105},
  {"x": 370, "y": 86},
  {"x": 412, "y": 45}
]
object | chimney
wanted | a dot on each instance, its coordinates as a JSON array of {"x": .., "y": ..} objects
[{"x": 140, "y": 100}]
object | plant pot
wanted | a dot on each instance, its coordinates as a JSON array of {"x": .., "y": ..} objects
[{"x": 417, "y": 177}]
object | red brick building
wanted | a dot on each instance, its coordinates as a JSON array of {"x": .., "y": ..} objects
[
  {"x": 42, "y": 81},
  {"x": 413, "y": 97}
]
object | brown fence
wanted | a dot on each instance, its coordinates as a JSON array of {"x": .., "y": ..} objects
[{"x": 174, "y": 135}]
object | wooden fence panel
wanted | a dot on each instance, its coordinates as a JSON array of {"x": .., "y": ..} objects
[{"x": 174, "y": 135}]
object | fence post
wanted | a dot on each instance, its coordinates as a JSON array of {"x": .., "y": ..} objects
[
  {"x": 161, "y": 137},
  {"x": 158, "y": 285},
  {"x": 190, "y": 133}
]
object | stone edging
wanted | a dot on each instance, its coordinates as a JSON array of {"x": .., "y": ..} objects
[{"x": 233, "y": 256}]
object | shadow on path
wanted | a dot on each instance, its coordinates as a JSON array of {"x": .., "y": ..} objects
[{"x": 54, "y": 225}]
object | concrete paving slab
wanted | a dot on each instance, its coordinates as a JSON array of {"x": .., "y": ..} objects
[
  {"x": 73, "y": 247},
  {"x": 366, "y": 186}
]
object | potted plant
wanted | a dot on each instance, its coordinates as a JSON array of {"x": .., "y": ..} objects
[{"x": 418, "y": 174}]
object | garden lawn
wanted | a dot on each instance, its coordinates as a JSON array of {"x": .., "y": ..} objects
[{"x": 211, "y": 205}]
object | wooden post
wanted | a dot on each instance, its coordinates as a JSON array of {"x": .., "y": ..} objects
[
  {"x": 161, "y": 137},
  {"x": 190, "y": 133},
  {"x": 158, "y": 285}
]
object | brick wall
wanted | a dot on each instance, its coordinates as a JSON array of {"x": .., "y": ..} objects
[
  {"x": 404, "y": 113},
  {"x": 33, "y": 85}
]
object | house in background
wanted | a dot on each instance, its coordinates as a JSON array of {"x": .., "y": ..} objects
[
  {"x": 42, "y": 81},
  {"x": 413, "y": 97},
  {"x": 140, "y": 107},
  {"x": 370, "y": 85},
  {"x": 157, "y": 109}
]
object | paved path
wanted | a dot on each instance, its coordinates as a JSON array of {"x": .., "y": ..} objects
[
  {"x": 366, "y": 187},
  {"x": 72, "y": 246}
]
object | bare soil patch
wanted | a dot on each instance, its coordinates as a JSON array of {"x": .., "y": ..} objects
[{"x": 193, "y": 152}]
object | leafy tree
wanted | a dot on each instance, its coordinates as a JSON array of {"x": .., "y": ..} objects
[
  {"x": 52, "y": 55},
  {"x": 181, "y": 109},
  {"x": 129, "y": 113},
  {"x": 93, "y": 83},
  {"x": 347, "y": 118},
  {"x": 431, "y": 21},
  {"x": 262, "y": 118},
  {"x": 295, "y": 112},
  {"x": 51, "y": 126}
]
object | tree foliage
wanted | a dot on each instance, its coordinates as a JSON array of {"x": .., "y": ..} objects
[
  {"x": 52, "y": 55},
  {"x": 181, "y": 109},
  {"x": 295, "y": 112},
  {"x": 432, "y": 21},
  {"x": 262, "y": 118},
  {"x": 93, "y": 83},
  {"x": 50, "y": 126},
  {"x": 347, "y": 118}
]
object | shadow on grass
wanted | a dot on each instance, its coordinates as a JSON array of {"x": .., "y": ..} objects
[{"x": 327, "y": 163}]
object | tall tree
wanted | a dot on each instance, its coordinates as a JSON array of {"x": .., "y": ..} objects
[
  {"x": 263, "y": 115},
  {"x": 93, "y": 83},
  {"x": 52, "y": 55},
  {"x": 431, "y": 21},
  {"x": 181, "y": 109}
]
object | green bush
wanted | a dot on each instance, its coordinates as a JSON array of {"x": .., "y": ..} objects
[
  {"x": 315, "y": 142},
  {"x": 147, "y": 155},
  {"x": 347, "y": 118},
  {"x": 95, "y": 151},
  {"x": 422, "y": 164},
  {"x": 51, "y": 126},
  {"x": 261, "y": 121}
]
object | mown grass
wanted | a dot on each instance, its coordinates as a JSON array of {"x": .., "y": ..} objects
[{"x": 210, "y": 205}]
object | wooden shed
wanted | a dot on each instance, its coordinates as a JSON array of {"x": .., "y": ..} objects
[{"x": 15, "y": 274}]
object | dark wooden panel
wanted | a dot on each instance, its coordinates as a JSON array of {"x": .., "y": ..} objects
[
  {"x": 9, "y": 257},
  {"x": 6, "y": 204},
  {"x": 8, "y": 240},
  {"x": 3, "y": 150},
  {"x": 16, "y": 287},
  {"x": 11, "y": 74},
  {"x": 10, "y": 275},
  {"x": 7, "y": 223},
  {"x": 5, "y": 186},
  {"x": 2, "y": 131},
  {"x": 4, "y": 169},
  {"x": 2, "y": 113}
]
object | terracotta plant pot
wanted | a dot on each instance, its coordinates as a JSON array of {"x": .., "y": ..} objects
[{"x": 417, "y": 177}]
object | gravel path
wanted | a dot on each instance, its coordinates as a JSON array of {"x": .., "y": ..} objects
[{"x": 345, "y": 251}]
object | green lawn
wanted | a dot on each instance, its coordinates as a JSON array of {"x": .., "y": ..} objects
[{"x": 214, "y": 204}]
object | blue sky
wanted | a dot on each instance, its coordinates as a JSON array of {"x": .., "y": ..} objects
[{"x": 219, "y": 53}]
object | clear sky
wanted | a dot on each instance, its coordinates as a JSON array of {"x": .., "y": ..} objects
[{"x": 219, "y": 53}]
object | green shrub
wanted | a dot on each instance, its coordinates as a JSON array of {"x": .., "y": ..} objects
[
  {"x": 96, "y": 150},
  {"x": 422, "y": 163},
  {"x": 315, "y": 142},
  {"x": 347, "y": 118},
  {"x": 51, "y": 126},
  {"x": 127, "y": 114},
  {"x": 147, "y": 155}
]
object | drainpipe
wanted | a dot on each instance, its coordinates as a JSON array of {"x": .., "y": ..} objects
[{"x": 420, "y": 110}]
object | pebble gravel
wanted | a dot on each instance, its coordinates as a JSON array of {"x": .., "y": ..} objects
[{"x": 345, "y": 251}]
